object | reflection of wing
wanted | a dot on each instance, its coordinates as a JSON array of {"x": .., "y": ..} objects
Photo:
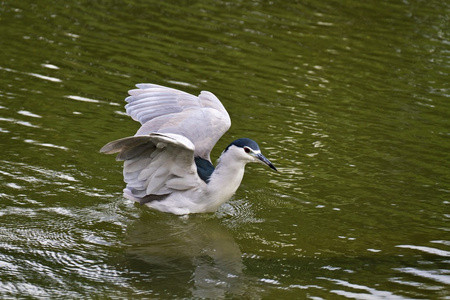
[
  {"x": 203, "y": 119},
  {"x": 156, "y": 164}
]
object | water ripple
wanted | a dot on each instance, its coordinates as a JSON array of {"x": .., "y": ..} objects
[
  {"x": 358, "y": 291},
  {"x": 438, "y": 275},
  {"x": 428, "y": 250}
]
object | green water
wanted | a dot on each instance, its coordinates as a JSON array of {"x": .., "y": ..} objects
[{"x": 349, "y": 100}]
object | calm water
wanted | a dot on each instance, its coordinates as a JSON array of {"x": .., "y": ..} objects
[{"x": 349, "y": 99}]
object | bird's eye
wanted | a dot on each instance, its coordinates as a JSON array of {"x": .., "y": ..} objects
[{"x": 247, "y": 149}]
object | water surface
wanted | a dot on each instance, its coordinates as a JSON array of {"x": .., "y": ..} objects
[{"x": 349, "y": 100}]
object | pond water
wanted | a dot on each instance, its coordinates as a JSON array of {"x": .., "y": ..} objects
[{"x": 349, "y": 100}]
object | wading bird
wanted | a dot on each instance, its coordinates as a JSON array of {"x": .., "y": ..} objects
[{"x": 167, "y": 164}]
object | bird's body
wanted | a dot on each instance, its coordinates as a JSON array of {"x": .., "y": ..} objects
[{"x": 167, "y": 164}]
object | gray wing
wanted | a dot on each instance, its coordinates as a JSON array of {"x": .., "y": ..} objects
[
  {"x": 156, "y": 164},
  {"x": 202, "y": 119}
]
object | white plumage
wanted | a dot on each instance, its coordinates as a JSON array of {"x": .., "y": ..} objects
[{"x": 167, "y": 163}]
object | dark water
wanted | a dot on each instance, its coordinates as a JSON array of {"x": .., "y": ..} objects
[{"x": 349, "y": 99}]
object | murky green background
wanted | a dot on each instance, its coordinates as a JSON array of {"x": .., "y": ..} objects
[{"x": 349, "y": 99}]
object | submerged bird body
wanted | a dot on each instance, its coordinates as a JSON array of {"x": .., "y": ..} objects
[{"x": 167, "y": 164}]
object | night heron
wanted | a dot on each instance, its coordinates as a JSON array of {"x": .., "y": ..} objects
[{"x": 167, "y": 164}]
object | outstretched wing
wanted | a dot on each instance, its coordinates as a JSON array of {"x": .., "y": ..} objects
[
  {"x": 201, "y": 119},
  {"x": 156, "y": 164}
]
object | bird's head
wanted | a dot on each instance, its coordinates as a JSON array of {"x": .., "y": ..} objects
[{"x": 248, "y": 150}]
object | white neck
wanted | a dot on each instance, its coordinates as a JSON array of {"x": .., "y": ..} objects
[{"x": 225, "y": 179}]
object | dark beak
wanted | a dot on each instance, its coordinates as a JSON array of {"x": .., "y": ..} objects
[{"x": 265, "y": 161}]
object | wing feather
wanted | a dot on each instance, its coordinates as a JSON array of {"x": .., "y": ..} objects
[
  {"x": 202, "y": 119},
  {"x": 176, "y": 127},
  {"x": 156, "y": 164}
]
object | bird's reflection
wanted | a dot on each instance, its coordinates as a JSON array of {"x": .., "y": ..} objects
[{"x": 184, "y": 256}]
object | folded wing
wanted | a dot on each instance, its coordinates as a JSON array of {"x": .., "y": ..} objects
[{"x": 156, "y": 164}]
